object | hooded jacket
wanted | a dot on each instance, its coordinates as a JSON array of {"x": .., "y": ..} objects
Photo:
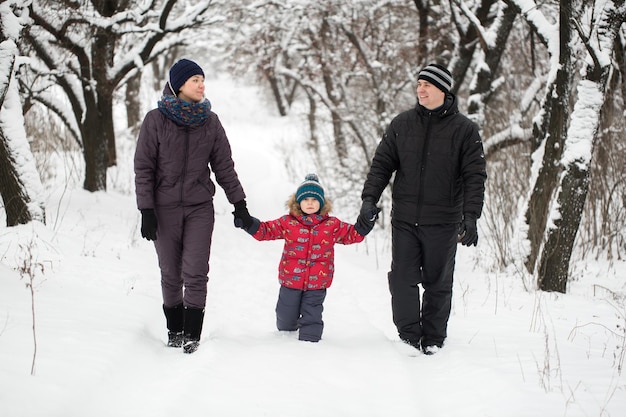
[
  {"x": 439, "y": 166},
  {"x": 172, "y": 162},
  {"x": 308, "y": 258}
]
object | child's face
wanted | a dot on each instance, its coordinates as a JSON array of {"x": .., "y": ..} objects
[{"x": 310, "y": 205}]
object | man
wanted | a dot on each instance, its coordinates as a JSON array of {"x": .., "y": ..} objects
[{"x": 437, "y": 195}]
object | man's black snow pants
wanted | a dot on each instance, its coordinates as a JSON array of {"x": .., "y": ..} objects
[{"x": 422, "y": 254}]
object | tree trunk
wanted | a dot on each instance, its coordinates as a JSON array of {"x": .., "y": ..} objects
[
  {"x": 552, "y": 131},
  {"x": 19, "y": 205},
  {"x": 133, "y": 104},
  {"x": 553, "y": 271},
  {"x": 102, "y": 57},
  {"x": 279, "y": 97},
  {"x": 107, "y": 128},
  {"x": 15, "y": 202},
  {"x": 95, "y": 149},
  {"x": 313, "y": 141},
  {"x": 423, "y": 9}
]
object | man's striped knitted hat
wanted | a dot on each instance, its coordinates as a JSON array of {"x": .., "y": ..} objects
[{"x": 437, "y": 75}]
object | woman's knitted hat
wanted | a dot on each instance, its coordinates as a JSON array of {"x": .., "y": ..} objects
[
  {"x": 437, "y": 75},
  {"x": 311, "y": 187},
  {"x": 181, "y": 71}
]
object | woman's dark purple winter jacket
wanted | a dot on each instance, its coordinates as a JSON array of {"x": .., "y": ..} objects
[{"x": 172, "y": 163}]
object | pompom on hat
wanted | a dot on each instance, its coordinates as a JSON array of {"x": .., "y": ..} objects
[
  {"x": 310, "y": 187},
  {"x": 181, "y": 71},
  {"x": 437, "y": 75}
]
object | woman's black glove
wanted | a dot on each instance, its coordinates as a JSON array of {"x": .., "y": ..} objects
[
  {"x": 148, "y": 224},
  {"x": 469, "y": 232},
  {"x": 243, "y": 220}
]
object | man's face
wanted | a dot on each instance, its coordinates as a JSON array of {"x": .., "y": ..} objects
[{"x": 428, "y": 95}]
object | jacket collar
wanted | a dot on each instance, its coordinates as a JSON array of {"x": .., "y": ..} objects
[{"x": 449, "y": 107}]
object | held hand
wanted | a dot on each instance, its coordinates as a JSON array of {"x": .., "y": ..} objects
[
  {"x": 368, "y": 207},
  {"x": 366, "y": 220},
  {"x": 469, "y": 232},
  {"x": 148, "y": 224},
  {"x": 242, "y": 220}
]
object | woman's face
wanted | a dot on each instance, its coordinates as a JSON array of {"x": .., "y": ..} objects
[
  {"x": 193, "y": 89},
  {"x": 310, "y": 205}
]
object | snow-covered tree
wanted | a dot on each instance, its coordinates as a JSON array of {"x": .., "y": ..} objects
[
  {"x": 492, "y": 40},
  {"x": 550, "y": 125},
  {"x": 20, "y": 185},
  {"x": 598, "y": 27},
  {"x": 85, "y": 50},
  {"x": 564, "y": 142}
]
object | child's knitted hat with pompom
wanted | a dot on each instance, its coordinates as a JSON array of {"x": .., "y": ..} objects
[{"x": 311, "y": 187}]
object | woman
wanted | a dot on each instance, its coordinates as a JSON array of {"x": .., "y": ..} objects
[{"x": 178, "y": 141}]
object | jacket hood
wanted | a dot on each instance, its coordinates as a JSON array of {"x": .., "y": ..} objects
[
  {"x": 294, "y": 207},
  {"x": 167, "y": 90}
]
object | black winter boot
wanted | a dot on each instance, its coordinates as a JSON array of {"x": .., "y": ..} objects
[
  {"x": 194, "y": 317},
  {"x": 175, "y": 318}
]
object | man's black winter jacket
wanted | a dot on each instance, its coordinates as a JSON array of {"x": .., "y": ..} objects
[{"x": 439, "y": 166}]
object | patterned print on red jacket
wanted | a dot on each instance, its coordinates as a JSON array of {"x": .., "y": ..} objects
[{"x": 307, "y": 261}]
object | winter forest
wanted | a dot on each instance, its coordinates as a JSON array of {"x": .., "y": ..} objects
[
  {"x": 543, "y": 79},
  {"x": 547, "y": 95}
]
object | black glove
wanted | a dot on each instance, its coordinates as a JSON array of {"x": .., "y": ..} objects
[
  {"x": 366, "y": 220},
  {"x": 368, "y": 206},
  {"x": 148, "y": 224},
  {"x": 243, "y": 220},
  {"x": 256, "y": 223},
  {"x": 469, "y": 232}
]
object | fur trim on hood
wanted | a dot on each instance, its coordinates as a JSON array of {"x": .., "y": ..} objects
[{"x": 294, "y": 206}]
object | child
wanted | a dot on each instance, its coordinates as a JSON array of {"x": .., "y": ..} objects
[{"x": 307, "y": 263}]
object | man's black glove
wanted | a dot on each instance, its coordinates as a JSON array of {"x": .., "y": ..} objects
[
  {"x": 148, "y": 224},
  {"x": 243, "y": 220},
  {"x": 368, "y": 207},
  {"x": 366, "y": 220},
  {"x": 469, "y": 232}
]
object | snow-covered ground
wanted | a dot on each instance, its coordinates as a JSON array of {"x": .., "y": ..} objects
[{"x": 100, "y": 332}]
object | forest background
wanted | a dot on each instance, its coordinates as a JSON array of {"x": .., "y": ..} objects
[{"x": 543, "y": 80}]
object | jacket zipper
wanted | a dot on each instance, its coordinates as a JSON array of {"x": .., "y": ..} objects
[
  {"x": 420, "y": 197},
  {"x": 184, "y": 173}
]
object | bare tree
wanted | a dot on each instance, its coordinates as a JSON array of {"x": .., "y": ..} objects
[
  {"x": 20, "y": 184},
  {"x": 88, "y": 49}
]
